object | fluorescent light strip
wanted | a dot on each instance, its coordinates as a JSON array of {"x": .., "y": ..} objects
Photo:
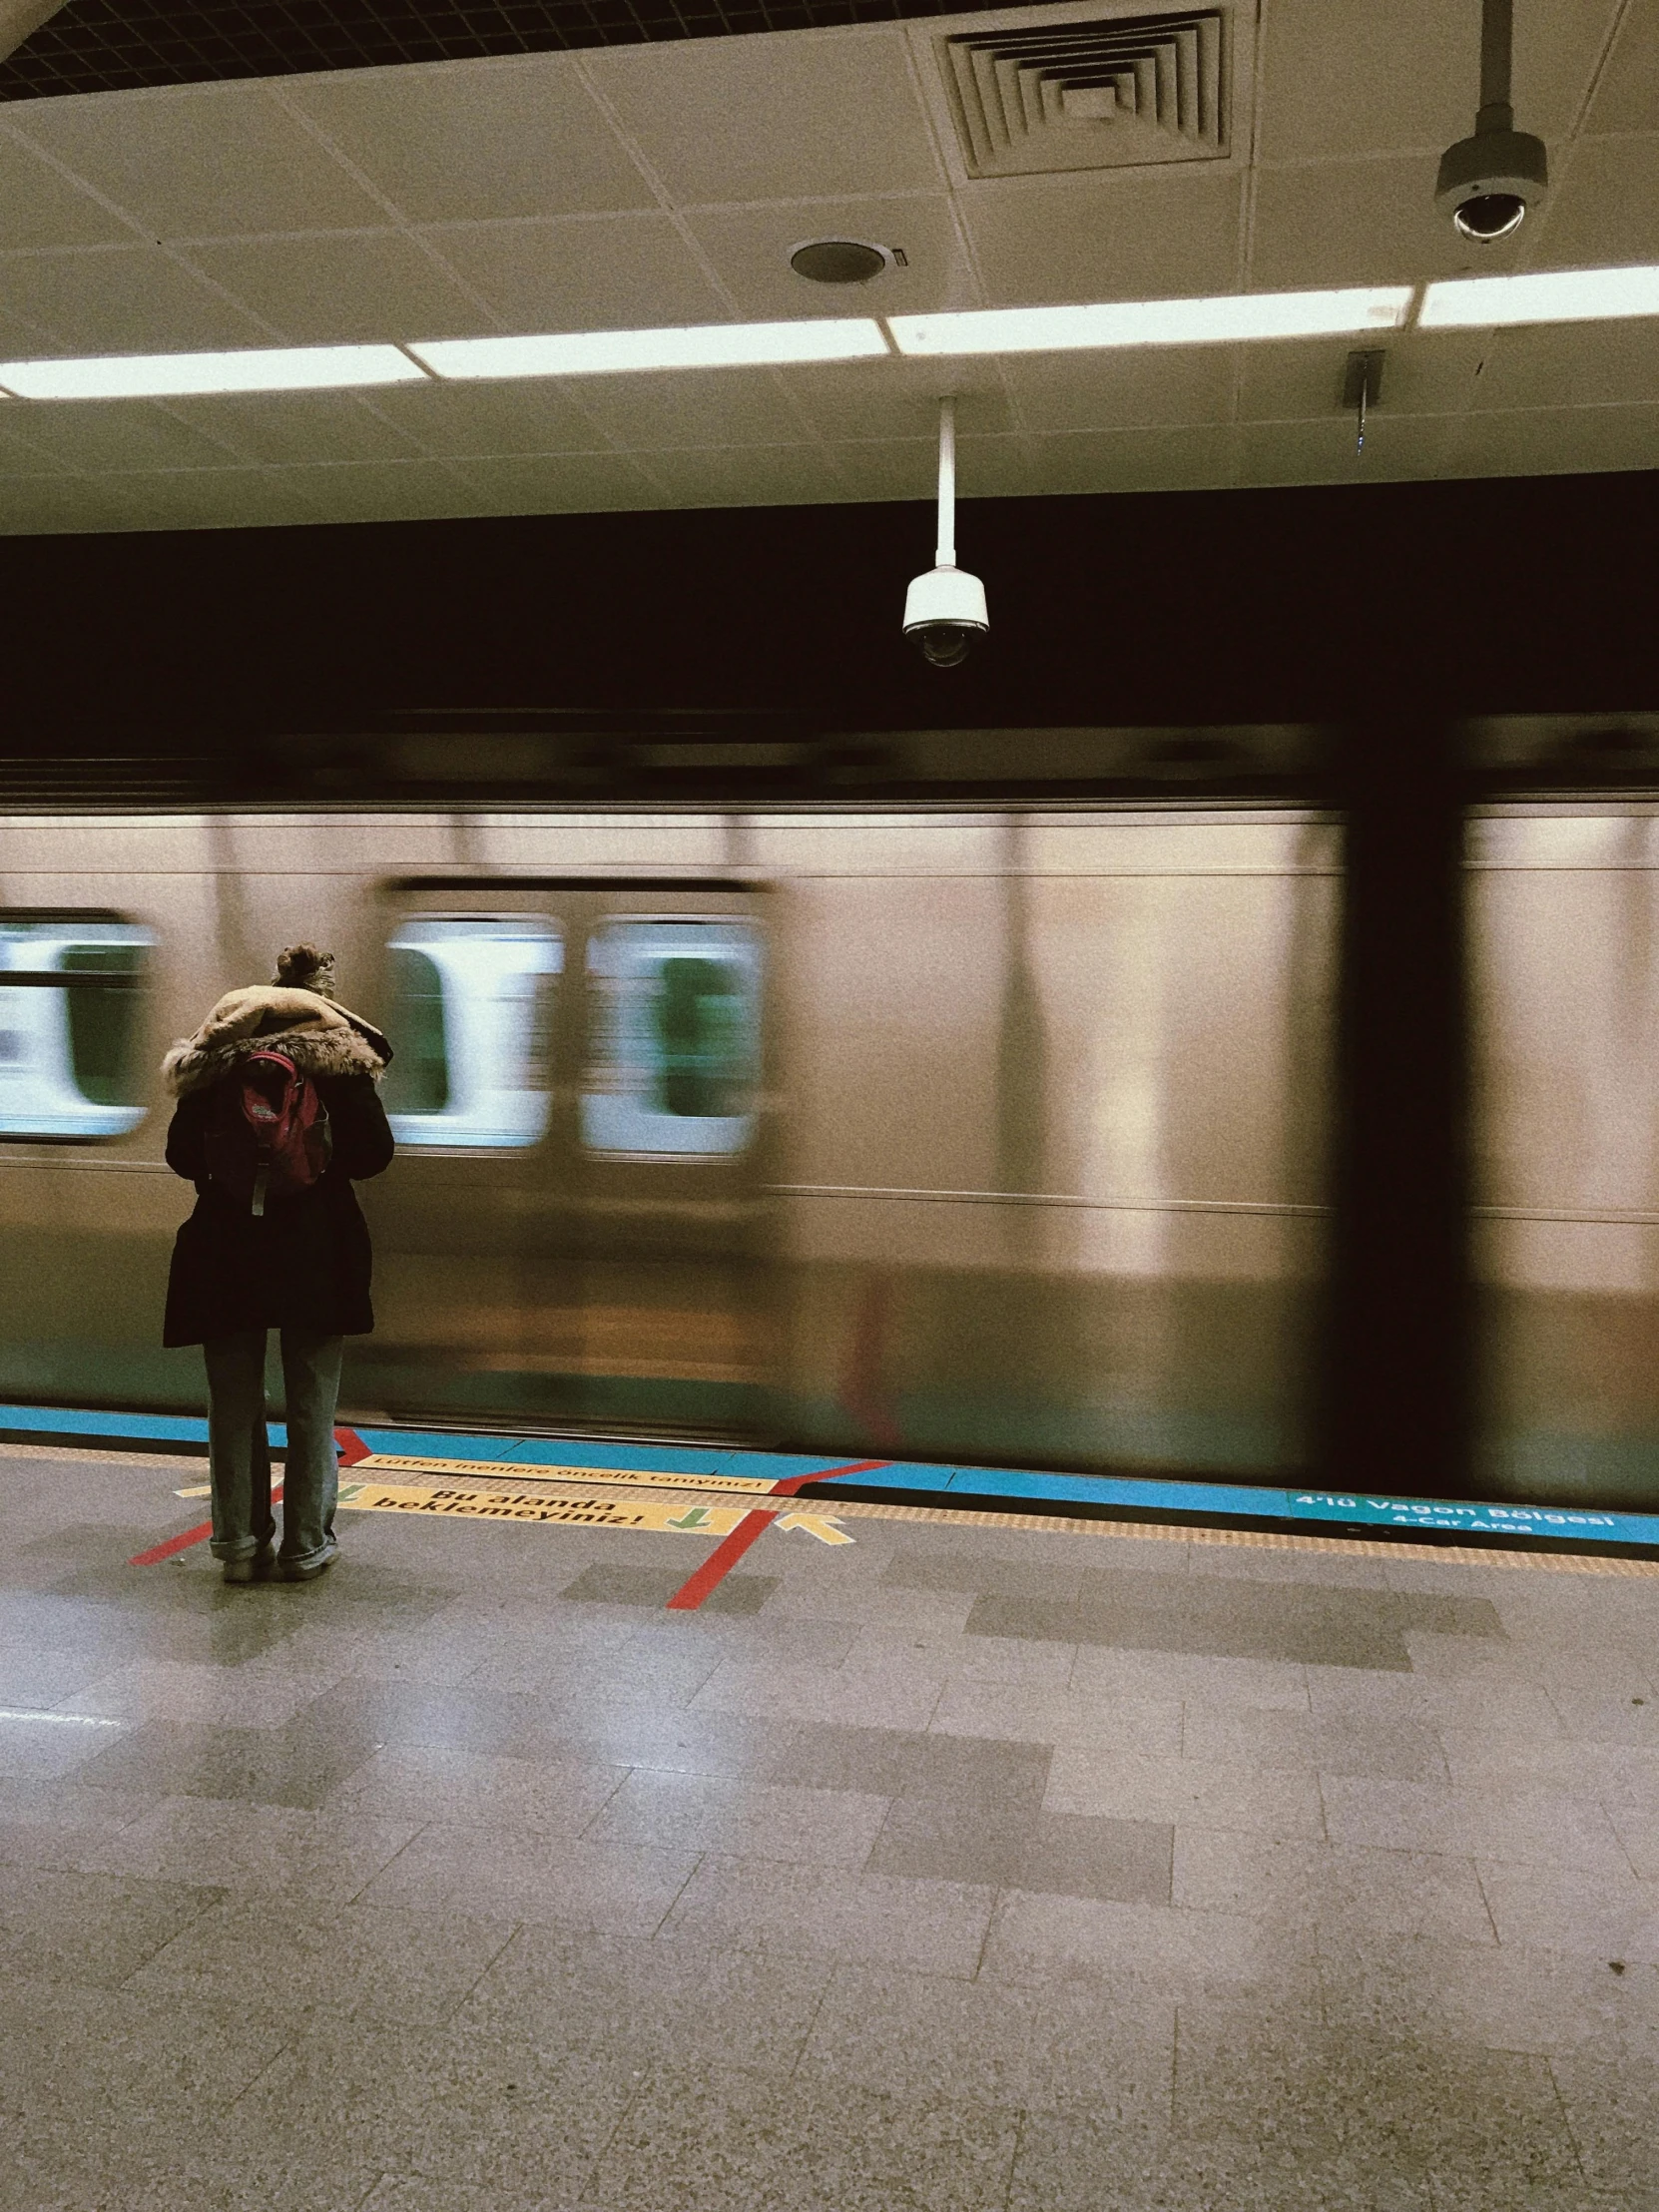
[
  {"x": 183, "y": 375},
  {"x": 610, "y": 352},
  {"x": 1475, "y": 302},
  {"x": 1549, "y": 295},
  {"x": 1232, "y": 318}
]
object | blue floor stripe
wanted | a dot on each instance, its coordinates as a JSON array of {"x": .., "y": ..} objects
[
  {"x": 53, "y": 1421},
  {"x": 1217, "y": 1502},
  {"x": 545, "y": 1452}
]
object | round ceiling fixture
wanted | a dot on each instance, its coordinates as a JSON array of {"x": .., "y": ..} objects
[{"x": 839, "y": 261}]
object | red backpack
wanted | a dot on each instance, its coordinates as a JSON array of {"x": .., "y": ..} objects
[{"x": 268, "y": 1134}]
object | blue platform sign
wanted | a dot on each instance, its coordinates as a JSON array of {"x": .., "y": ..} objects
[{"x": 1455, "y": 1517}]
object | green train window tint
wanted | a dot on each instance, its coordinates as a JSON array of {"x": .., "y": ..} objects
[
  {"x": 70, "y": 1051},
  {"x": 103, "y": 1023},
  {"x": 469, "y": 1020},
  {"x": 699, "y": 1013},
  {"x": 417, "y": 1082},
  {"x": 674, "y": 1046}
]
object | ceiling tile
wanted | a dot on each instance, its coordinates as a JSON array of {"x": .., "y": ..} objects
[
  {"x": 891, "y": 468},
  {"x": 476, "y": 138},
  {"x": 383, "y": 491},
  {"x": 1103, "y": 391},
  {"x": 40, "y": 208},
  {"x": 1337, "y": 82},
  {"x": 343, "y": 285},
  {"x": 18, "y": 454},
  {"x": 1605, "y": 208},
  {"x": 1113, "y": 237},
  {"x": 1558, "y": 45},
  {"x": 531, "y": 416},
  {"x": 1344, "y": 81},
  {"x": 49, "y": 505},
  {"x": 213, "y": 499},
  {"x": 128, "y": 300},
  {"x": 1129, "y": 460},
  {"x": 561, "y": 483},
  {"x": 628, "y": 271},
  {"x": 1624, "y": 98},
  {"x": 731, "y": 406},
  {"x": 277, "y": 427},
  {"x": 989, "y": 467},
  {"x": 1432, "y": 372},
  {"x": 1578, "y": 364},
  {"x": 749, "y": 249},
  {"x": 856, "y": 400},
  {"x": 1359, "y": 223},
  {"x": 98, "y": 434},
  {"x": 1556, "y": 441},
  {"x": 200, "y": 162},
  {"x": 1324, "y": 453},
  {"x": 746, "y": 476},
  {"x": 798, "y": 114}
]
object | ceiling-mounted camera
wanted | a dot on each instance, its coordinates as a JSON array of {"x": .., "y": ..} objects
[
  {"x": 944, "y": 611},
  {"x": 1488, "y": 182}
]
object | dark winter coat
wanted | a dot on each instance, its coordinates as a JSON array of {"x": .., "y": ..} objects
[{"x": 305, "y": 1261}]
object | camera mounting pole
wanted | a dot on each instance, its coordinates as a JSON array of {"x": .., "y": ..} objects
[
  {"x": 1498, "y": 53},
  {"x": 944, "y": 554}
]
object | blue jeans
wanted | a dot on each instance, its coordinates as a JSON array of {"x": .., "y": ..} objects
[{"x": 239, "y": 1456}]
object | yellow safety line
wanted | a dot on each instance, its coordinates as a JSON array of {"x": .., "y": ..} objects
[{"x": 713, "y": 1491}]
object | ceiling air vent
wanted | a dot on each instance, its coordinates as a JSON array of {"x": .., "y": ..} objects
[{"x": 1135, "y": 89}]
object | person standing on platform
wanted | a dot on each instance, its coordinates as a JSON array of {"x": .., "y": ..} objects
[{"x": 277, "y": 1115}]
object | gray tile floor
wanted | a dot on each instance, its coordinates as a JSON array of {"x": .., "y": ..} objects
[{"x": 958, "y": 1869}]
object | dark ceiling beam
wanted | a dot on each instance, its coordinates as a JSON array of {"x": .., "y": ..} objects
[{"x": 1498, "y": 596}]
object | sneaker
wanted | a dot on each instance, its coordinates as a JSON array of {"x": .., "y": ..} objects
[
  {"x": 314, "y": 1563},
  {"x": 257, "y": 1566}
]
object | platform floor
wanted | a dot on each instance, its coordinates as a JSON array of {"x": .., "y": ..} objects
[{"x": 959, "y": 1867}]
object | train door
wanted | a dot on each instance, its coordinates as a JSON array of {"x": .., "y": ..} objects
[
  {"x": 472, "y": 1002},
  {"x": 596, "y": 1248}
]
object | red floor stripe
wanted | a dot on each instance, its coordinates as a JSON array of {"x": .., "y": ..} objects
[
  {"x": 794, "y": 1482},
  {"x": 719, "y": 1563},
  {"x": 731, "y": 1549},
  {"x": 351, "y": 1446},
  {"x": 184, "y": 1540}
]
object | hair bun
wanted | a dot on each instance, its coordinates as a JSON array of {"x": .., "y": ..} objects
[{"x": 301, "y": 967}]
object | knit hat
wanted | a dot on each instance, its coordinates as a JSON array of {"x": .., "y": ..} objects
[{"x": 301, "y": 967}]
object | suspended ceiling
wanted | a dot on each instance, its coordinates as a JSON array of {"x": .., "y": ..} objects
[{"x": 640, "y": 185}]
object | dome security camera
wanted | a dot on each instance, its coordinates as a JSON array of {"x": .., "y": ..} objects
[
  {"x": 1488, "y": 182},
  {"x": 944, "y": 611}
]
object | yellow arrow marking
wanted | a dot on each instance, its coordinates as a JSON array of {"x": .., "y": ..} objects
[{"x": 820, "y": 1526}]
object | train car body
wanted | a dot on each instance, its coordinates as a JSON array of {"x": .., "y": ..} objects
[
  {"x": 979, "y": 1135},
  {"x": 1563, "y": 915}
]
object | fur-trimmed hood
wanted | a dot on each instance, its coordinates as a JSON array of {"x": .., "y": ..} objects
[{"x": 320, "y": 1037}]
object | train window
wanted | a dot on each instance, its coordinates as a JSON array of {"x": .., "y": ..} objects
[
  {"x": 675, "y": 1051},
  {"x": 70, "y": 992},
  {"x": 471, "y": 997}
]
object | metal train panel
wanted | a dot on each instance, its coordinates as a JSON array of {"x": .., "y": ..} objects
[
  {"x": 1564, "y": 970},
  {"x": 980, "y": 1135}
]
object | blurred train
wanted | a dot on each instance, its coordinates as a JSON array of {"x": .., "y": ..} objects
[
  {"x": 1562, "y": 908},
  {"x": 995, "y": 1134},
  {"x": 990, "y": 1135}
]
